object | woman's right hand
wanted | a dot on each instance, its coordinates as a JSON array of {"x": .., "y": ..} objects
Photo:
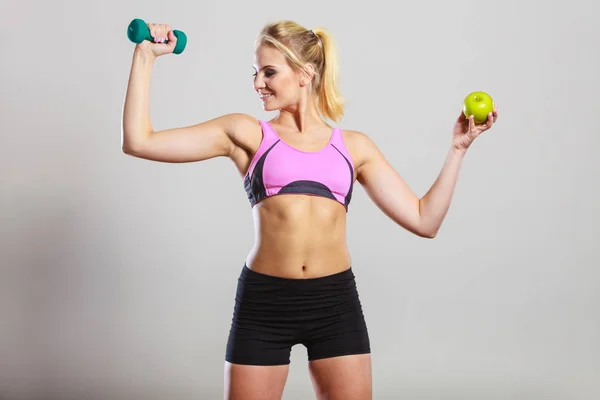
[{"x": 161, "y": 33}]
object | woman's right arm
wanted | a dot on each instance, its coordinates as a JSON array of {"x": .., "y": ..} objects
[{"x": 212, "y": 138}]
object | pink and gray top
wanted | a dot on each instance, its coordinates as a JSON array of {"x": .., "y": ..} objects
[{"x": 278, "y": 168}]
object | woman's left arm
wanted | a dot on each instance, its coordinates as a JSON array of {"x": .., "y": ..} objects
[{"x": 386, "y": 188}]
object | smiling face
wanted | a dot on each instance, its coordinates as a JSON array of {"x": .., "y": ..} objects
[
  {"x": 291, "y": 73},
  {"x": 277, "y": 83}
]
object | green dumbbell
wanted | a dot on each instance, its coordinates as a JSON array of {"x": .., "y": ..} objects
[{"x": 138, "y": 31}]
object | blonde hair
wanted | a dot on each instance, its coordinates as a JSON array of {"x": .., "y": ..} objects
[{"x": 317, "y": 47}]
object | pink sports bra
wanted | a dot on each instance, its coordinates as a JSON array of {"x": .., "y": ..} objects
[{"x": 278, "y": 168}]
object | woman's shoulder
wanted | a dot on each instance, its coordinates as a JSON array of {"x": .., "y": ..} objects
[
  {"x": 239, "y": 121},
  {"x": 360, "y": 146},
  {"x": 353, "y": 135},
  {"x": 357, "y": 139},
  {"x": 244, "y": 129}
]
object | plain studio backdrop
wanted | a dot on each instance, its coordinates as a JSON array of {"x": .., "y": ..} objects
[{"x": 118, "y": 274}]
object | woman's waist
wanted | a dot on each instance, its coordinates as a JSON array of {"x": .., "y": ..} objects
[
  {"x": 278, "y": 294},
  {"x": 298, "y": 257},
  {"x": 299, "y": 238}
]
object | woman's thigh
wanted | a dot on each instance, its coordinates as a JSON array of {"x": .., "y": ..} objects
[
  {"x": 251, "y": 382},
  {"x": 344, "y": 377}
]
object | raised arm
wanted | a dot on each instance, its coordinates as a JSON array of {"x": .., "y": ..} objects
[
  {"x": 213, "y": 138},
  {"x": 422, "y": 216}
]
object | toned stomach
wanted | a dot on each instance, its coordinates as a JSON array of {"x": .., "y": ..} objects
[{"x": 299, "y": 237}]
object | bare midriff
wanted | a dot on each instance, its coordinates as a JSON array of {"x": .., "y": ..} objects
[{"x": 299, "y": 237}]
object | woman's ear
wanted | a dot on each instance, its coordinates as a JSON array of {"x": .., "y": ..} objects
[{"x": 307, "y": 75}]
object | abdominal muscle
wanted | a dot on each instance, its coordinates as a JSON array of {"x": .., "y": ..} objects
[{"x": 299, "y": 237}]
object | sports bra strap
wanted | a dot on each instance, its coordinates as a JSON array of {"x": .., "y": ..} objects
[
  {"x": 268, "y": 133},
  {"x": 337, "y": 140}
]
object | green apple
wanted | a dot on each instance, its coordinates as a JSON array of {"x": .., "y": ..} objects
[{"x": 478, "y": 104}]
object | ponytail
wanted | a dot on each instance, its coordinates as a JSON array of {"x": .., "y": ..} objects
[{"x": 330, "y": 100}]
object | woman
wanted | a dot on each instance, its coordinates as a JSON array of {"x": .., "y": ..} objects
[{"x": 297, "y": 285}]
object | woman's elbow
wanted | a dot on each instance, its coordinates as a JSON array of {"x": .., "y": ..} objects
[
  {"x": 422, "y": 232},
  {"x": 128, "y": 149},
  {"x": 427, "y": 233}
]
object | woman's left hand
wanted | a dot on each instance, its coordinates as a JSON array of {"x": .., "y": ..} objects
[{"x": 466, "y": 130}]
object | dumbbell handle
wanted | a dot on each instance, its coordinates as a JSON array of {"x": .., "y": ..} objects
[{"x": 138, "y": 31}]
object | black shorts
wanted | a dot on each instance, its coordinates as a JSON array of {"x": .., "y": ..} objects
[{"x": 272, "y": 314}]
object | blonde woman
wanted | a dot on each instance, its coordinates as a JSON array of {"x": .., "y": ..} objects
[{"x": 297, "y": 285}]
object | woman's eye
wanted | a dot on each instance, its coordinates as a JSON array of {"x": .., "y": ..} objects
[{"x": 268, "y": 73}]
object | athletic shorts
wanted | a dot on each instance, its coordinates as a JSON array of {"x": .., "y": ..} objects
[{"x": 272, "y": 314}]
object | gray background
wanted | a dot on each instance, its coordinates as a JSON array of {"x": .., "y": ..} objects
[{"x": 118, "y": 274}]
